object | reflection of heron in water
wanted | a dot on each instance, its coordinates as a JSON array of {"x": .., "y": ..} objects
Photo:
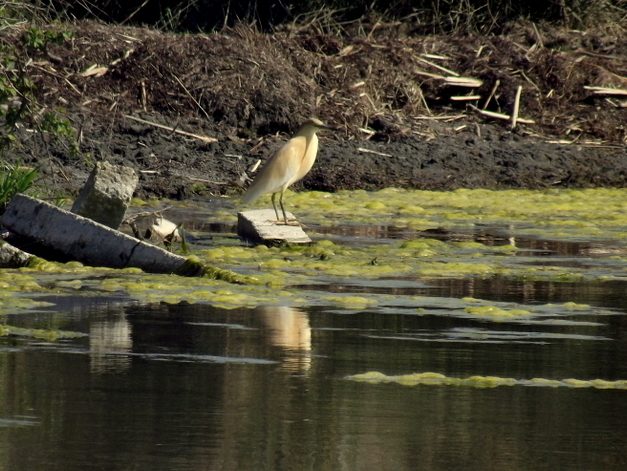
[
  {"x": 288, "y": 327},
  {"x": 112, "y": 335}
]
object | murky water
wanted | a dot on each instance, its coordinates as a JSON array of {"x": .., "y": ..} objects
[{"x": 161, "y": 386}]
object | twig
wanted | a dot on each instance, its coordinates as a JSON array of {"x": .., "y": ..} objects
[
  {"x": 190, "y": 95},
  {"x": 59, "y": 77},
  {"x": 253, "y": 168},
  {"x": 590, "y": 144},
  {"x": 492, "y": 114},
  {"x": 606, "y": 91},
  {"x": 94, "y": 69},
  {"x": 469, "y": 82},
  {"x": 443, "y": 118},
  {"x": 516, "y": 107},
  {"x": 529, "y": 80},
  {"x": 207, "y": 181},
  {"x": 346, "y": 51},
  {"x": 456, "y": 80},
  {"x": 174, "y": 130},
  {"x": 436, "y": 56},
  {"x": 466, "y": 98},
  {"x": 538, "y": 37},
  {"x": 496, "y": 85},
  {"x": 368, "y": 151},
  {"x": 439, "y": 67},
  {"x": 134, "y": 12},
  {"x": 427, "y": 74}
]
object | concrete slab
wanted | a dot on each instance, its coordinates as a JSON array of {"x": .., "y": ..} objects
[
  {"x": 260, "y": 226},
  {"x": 106, "y": 194},
  {"x": 82, "y": 239}
]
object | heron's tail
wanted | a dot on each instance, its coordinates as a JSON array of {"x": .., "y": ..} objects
[{"x": 253, "y": 193}]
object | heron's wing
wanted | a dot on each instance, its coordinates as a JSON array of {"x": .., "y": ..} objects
[{"x": 279, "y": 171}]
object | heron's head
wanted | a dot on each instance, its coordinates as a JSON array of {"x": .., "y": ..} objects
[{"x": 314, "y": 124}]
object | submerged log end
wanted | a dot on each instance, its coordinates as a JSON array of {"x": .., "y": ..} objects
[
  {"x": 12, "y": 257},
  {"x": 194, "y": 267}
]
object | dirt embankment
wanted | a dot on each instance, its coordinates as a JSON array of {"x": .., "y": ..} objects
[{"x": 404, "y": 121}]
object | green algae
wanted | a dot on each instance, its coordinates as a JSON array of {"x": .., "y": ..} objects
[
  {"x": 350, "y": 302},
  {"x": 429, "y": 258},
  {"x": 194, "y": 267},
  {"x": 437, "y": 379},
  {"x": 578, "y": 213},
  {"x": 258, "y": 275},
  {"x": 42, "y": 334},
  {"x": 496, "y": 312}
]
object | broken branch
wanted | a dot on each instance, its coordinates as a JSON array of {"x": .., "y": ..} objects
[
  {"x": 516, "y": 107},
  {"x": 492, "y": 114},
  {"x": 174, "y": 130}
]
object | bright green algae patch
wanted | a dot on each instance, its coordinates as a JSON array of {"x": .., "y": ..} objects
[
  {"x": 438, "y": 379},
  {"x": 43, "y": 334},
  {"x": 276, "y": 271},
  {"x": 579, "y": 213},
  {"x": 251, "y": 276},
  {"x": 424, "y": 258}
]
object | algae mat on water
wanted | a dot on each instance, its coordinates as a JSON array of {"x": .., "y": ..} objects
[
  {"x": 551, "y": 213},
  {"x": 280, "y": 272},
  {"x": 437, "y": 379}
]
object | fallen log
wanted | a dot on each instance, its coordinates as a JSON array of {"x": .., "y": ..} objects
[{"x": 95, "y": 244}]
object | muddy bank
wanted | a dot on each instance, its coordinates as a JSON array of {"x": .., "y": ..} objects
[
  {"x": 177, "y": 167},
  {"x": 402, "y": 125}
]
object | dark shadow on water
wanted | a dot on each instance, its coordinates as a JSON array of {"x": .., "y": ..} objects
[
  {"x": 609, "y": 294},
  {"x": 356, "y": 234}
]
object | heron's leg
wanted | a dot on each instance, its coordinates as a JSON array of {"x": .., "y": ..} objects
[
  {"x": 274, "y": 206},
  {"x": 282, "y": 208}
]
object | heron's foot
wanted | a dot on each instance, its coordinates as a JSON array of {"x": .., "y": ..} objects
[{"x": 289, "y": 222}]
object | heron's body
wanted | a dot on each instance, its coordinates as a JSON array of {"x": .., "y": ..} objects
[{"x": 288, "y": 165}]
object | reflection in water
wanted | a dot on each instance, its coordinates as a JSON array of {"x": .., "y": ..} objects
[
  {"x": 496, "y": 288},
  {"x": 370, "y": 231},
  {"x": 176, "y": 404},
  {"x": 108, "y": 340},
  {"x": 352, "y": 234},
  {"x": 196, "y": 387},
  {"x": 289, "y": 328}
]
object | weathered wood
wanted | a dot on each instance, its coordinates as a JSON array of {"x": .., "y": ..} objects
[
  {"x": 82, "y": 239},
  {"x": 261, "y": 226},
  {"x": 12, "y": 257}
]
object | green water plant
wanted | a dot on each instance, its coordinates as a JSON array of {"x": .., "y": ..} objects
[{"x": 15, "y": 179}]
